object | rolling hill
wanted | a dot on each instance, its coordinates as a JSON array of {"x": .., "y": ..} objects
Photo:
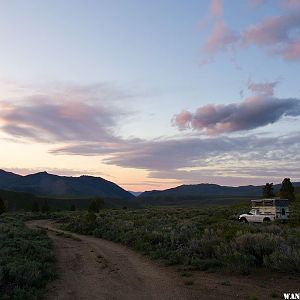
[
  {"x": 44, "y": 184},
  {"x": 202, "y": 194}
]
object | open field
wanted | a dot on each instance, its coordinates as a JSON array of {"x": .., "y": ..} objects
[
  {"x": 196, "y": 250},
  {"x": 206, "y": 239}
]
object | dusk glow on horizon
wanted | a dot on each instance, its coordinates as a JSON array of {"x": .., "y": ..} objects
[{"x": 151, "y": 94}]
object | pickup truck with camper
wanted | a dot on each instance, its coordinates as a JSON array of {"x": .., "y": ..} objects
[{"x": 266, "y": 210}]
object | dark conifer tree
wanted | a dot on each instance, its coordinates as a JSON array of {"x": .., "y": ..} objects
[
  {"x": 268, "y": 190},
  {"x": 287, "y": 190}
]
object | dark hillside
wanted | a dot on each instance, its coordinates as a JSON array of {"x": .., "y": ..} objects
[
  {"x": 24, "y": 201},
  {"x": 203, "y": 194},
  {"x": 45, "y": 184}
]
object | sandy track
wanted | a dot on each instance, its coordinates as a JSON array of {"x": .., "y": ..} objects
[{"x": 90, "y": 268}]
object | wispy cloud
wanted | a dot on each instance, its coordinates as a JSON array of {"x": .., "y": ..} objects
[
  {"x": 265, "y": 88},
  {"x": 279, "y": 35},
  {"x": 203, "y": 158},
  {"x": 276, "y": 33},
  {"x": 71, "y": 113},
  {"x": 216, "y": 8},
  {"x": 42, "y": 120},
  {"x": 221, "y": 38},
  {"x": 291, "y": 4}
]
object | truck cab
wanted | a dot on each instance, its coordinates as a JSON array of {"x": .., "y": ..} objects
[{"x": 266, "y": 210}]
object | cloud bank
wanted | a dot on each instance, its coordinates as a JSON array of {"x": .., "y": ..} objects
[
  {"x": 78, "y": 122},
  {"x": 202, "y": 159}
]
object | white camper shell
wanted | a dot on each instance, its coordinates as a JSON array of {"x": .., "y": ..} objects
[{"x": 267, "y": 210}]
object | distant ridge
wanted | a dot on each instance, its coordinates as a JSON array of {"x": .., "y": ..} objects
[
  {"x": 45, "y": 184},
  {"x": 204, "y": 193}
]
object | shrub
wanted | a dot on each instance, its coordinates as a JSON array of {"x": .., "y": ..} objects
[
  {"x": 90, "y": 218},
  {"x": 285, "y": 259},
  {"x": 26, "y": 260},
  {"x": 202, "y": 238},
  {"x": 257, "y": 245}
]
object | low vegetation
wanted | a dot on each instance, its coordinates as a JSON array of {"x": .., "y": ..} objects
[
  {"x": 27, "y": 261},
  {"x": 205, "y": 239},
  {"x": 208, "y": 238},
  {"x": 20, "y": 201}
]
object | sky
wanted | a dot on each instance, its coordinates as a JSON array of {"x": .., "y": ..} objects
[{"x": 151, "y": 94}]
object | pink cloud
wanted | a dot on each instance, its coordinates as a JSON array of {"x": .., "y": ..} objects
[
  {"x": 68, "y": 114},
  {"x": 183, "y": 119},
  {"x": 59, "y": 111},
  {"x": 291, "y": 4},
  {"x": 266, "y": 88},
  {"x": 216, "y": 8},
  {"x": 291, "y": 51},
  {"x": 44, "y": 120},
  {"x": 253, "y": 112},
  {"x": 280, "y": 35},
  {"x": 272, "y": 31},
  {"x": 221, "y": 38}
]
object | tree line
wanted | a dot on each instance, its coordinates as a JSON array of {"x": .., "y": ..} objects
[
  {"x": 286, "y": 191},
  {"x": 44, "y": 207}
]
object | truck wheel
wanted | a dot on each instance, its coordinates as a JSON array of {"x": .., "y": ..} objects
[
  {"x": 243, "y": 220},
  {"x": 267, "y": 220}
]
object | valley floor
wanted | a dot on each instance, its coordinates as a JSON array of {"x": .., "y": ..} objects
[{"x": 93, "y": 268}]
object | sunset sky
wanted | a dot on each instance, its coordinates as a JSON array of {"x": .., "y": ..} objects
[{"x": 151, "y": 94}]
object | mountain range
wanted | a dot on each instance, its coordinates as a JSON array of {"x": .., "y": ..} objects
[
  {"x": 84, "y": 188},
  {"x": 44, "y": 184},
  {"x": 202, "y": 194}
]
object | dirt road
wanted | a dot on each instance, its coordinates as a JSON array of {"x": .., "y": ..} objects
[{"x": 90, "y": 268}]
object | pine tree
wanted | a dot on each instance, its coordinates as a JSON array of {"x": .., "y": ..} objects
[
  {"x": 287, "y": 190},
  {"x": 268, "y": 190}
]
